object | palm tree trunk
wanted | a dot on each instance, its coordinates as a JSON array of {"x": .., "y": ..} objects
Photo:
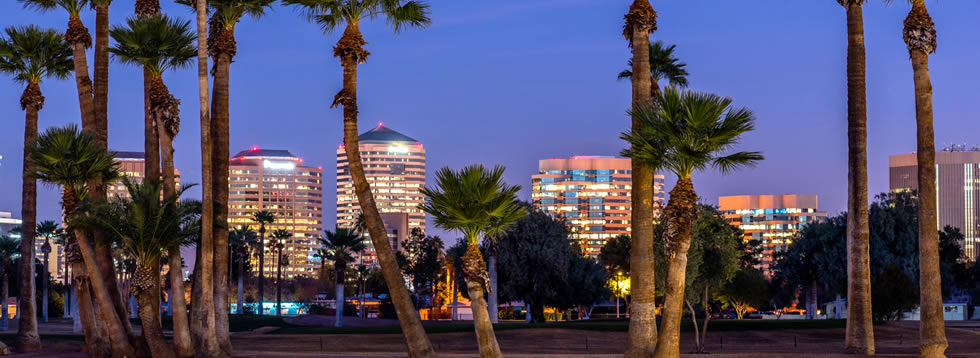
[
  {"x": 4, "y": 320},
  {"x": 493, "y": 306},
  {"x": 28, "y": 339},
  {"x": 219, "y": 186},
  {"x": 932, "y": 340},
  {"x": 150, "y": 317},
  {"x": 44, "y": 290},
  {"x": 350, "y": 51},
  {"x": 642, "y": 339},
  {"x": 241, "y": 285},
  {"x": 694, "y": 320},
  {"x": 474, "y": 273},
  {"x": 261, "y": 270},
  {"x": 95, "y": 343},
  {"x": 680, "y": 213},
  {"x": 101, "y": 86},
  {"x": 118, "y": 338},
  {"x": 341, "y": 273},
  {"x": 860, "y": 333},
  {"x": 279, "y": 283},
  {"x": 453, "y": 316}
]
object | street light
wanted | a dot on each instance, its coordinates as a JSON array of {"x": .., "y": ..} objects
[{"x": 619, "y": 290}]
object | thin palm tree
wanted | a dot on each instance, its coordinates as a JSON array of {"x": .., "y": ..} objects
[
  {"x": 242, "y": 240},
  {"x": 342, "y": 244},
  {"x": 47, "y": 229},
  {"x": 331, "y": 15},
  {"x": 663, "y": 66},
  {"x": 147, "y": 228},
  {"x": 322, "y": 254},
  {"x": 9, "y": 249},
  {"x": 281, "y": 236},
  {"x": 640, "y": 22},
  {"x": 919, "y": 34},
  {"x": 31, "y": 55},
  {"x": 860, "y": 332},
  {"x": 151, "y": 137},
  {"x": 159, "y": 44},
  {"x": 476, "y": 202},
  {"x": 69, "y": 158},
  {"x": 263, "y": 218},
  {"x": 362, "y": 273},
  {"x": 684, "y": 133}
]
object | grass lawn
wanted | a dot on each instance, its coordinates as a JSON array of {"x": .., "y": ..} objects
[
  {"x": 236, "y": 323},
  {"x": 596, "y": 325}
]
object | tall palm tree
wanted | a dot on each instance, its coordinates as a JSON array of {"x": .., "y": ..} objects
[
  {"x": 47, "y": 229},
  {"x": 158, "y": 44},
  {"x": 476, "y": 202},
  {"x": 30, "y": 55},
  {"x": 860, "y": 333},
  {"x": 919, "y": 34},
  {"x": 9, "y": 249},
  {"x": 263, "y": 218},
  {"x": 151, "y": 136},
  {"x": 72, "y": 159},
  {"x": 684, "y": 133},
  {"x": 322, "y": 254},
  {"x": 342, "y": 245},
  {"x": 281, "y": 236},
  {"x": 663, "y": 66},
  {"x": 242, "y": 240},
  {"x": 331, "y": 15},
  {"x": 147, "y": 228},
  {"x": 640, "y": 22}
]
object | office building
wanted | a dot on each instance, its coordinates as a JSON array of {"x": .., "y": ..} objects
[
  {"x": 771, "y": 220},
  {"x": 132, "y": 165},
  {"x": 277, "y": 181},
  {"x": 394, "y": 165},
  {"x": 593, "y": 195},
  {"x": 8, "y": 224},
  {"x": 958, "y": 189}
]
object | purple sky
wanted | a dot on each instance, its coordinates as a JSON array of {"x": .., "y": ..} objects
[{"x": 513, "y": 81}]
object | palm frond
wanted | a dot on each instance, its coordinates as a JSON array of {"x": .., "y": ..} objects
[
  {"x": 31, "y": 54},
  {"x": 68, "y": 157},
  {"x": 474, "y": 201},
  {"x": 159, "y": 43}
]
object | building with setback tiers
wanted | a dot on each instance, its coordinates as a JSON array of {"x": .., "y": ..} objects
[
  {"x": 958, "y": 189},
  {"x": 132, "y": 165},
  {"x": 770, "y": 221},
  {"x": 277, "y": 181},
  {"x": 394, "y": 165},
  {"x": 592, "y": 194}
]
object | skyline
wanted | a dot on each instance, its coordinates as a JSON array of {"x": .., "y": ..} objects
[{"x": 412, "y": 81}]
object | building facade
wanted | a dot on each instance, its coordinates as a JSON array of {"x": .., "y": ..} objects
[
  {"x": 770, "y": 221},
  {"x": 592, "y": 194},
  {"x": 132, "y": 165},
  {"x": 277, "y": 181},
  {"x": 958, "y": 190},
  {"x": 9, "y": 226},
  {"x": 394, "y": 165}
]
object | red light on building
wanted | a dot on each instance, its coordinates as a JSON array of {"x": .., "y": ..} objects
[
  {"x": 254, "y": 148},
  {"x": 381, "y": 124}
]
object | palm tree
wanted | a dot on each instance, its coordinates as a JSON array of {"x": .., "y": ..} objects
[
  {"x": 46, "y": 229},
  {"x": 362, "y": 273},
  {"x": 860, "y": 333},
  {"x": 147, "y": 228},
  {"x": 331, "y": 15},
  {"x": 262, "y": 217},
  {"x": 242, "y": 240},
  {"x": 341, "y": 244},
  {"x": 158, "y": 44},
  {"x": 685, "y": 132},
  {"x": 30, "y": 55},
  {"x": 100, "y": 87},
  {"x": 641, "y": 21},
  {"x": 9, "y": 249},
  {"x": 281, "y": 236},
  {"x": 663, "y": 66},
  {"x": 920, "y": 38},
  {"x": 322, "y": 254},
  {"x": 476, "y": 202},
  {"x": 72, "y": 159},
  {"x": 151, "y": 137}
]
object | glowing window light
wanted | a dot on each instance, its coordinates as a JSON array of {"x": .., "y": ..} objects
[{"x": 278, "y": 165}]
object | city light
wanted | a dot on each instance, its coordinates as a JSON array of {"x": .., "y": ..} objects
[
  {"x": 397, "y": 149},
  {"x": 278, "y": 165}
]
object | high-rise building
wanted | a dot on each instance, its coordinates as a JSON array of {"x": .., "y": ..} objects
[
  {"x": 277, "y": 181},
  {"x": 132, "y": 165},
  {"x": 394, "y": 165},
  {"x": 8, "y": 224},
  {"x": 593, "y": 195},
  {"x": 958, "y": 190},
  {"x": 771, "y": 220}
]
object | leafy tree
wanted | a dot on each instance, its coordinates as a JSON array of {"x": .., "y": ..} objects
[
  {"x": 421, "y": 260},
  {"x": 615, "y": 254},
  {"x": 686, "y": 132},
  {"x": 893, "y": 292},
  {"x": 586, "y": 284},
  {"x": 242, "y": 242},
  {"x": 814, "y": 258},
  {"x": 745, "y": 291},
  {"x": 715, "y": 247}
]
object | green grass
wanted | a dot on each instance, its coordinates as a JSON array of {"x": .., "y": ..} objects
[
  {"x": 597, "y": 325},
  {"x": 236, "y": 323}
]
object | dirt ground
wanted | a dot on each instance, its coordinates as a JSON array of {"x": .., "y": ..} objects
[{"x": 896, "y": 339}]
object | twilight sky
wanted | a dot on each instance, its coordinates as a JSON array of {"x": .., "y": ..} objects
[{"x": 513, "y": 81}]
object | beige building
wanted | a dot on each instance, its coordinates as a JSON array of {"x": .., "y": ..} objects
[
  {"x": 55, "y": 265},
  {"x": 277, "y": 181},
  {"x": 592, "y": 194},
  {"x": 958, "y": 190},
  {"x": 772, "y": 220},
  {"x": 132, "y": 165},
  {"x": 394, "y": 165}
]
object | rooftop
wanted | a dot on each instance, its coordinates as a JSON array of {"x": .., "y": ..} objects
[
  {"x": 382, "y": 134},
  {"x": 256, "y": 152},
  {"x": 130, "y": 156}
]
